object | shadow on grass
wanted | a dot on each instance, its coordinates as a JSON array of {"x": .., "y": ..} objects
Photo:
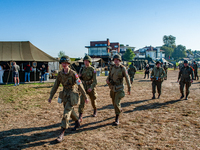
[
  {"x": 12, "y": 139},
  {"x": 152, "y": 106}
]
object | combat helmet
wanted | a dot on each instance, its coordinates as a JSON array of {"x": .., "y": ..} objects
[
  {"x": 158, "y": 62},
  {"x": 65, "y": 59},
  {"x": 87, "y": 57},
  {"x": 117, "y": 56},
  {"x": 185, "y": 62}
]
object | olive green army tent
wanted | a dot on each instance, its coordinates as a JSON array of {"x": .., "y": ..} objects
[{"x": 23, "y": 51}]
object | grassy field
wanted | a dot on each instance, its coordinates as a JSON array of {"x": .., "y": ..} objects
[{"x": 28, "y": 121}]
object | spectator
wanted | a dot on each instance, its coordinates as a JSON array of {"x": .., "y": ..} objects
[
  {"x": 15, "y": 69},
  {"x": 1, "y": 73},
  {"x": 43, "y": 70},
  {"x": 27, "y": 69},
  {"x": 146, "y": 71}
]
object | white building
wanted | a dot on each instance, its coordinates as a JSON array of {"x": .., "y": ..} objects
[{"x": 155, "y": 53}]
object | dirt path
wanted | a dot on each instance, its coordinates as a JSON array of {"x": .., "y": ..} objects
[{"x": 29, "y": 122}]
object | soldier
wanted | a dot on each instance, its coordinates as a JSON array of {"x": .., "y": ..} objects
[
  {"x": 88, "y": 77},
  {"x": 146, "y": 72},
  {"x": 165, "y": 67},
  {"x": 115, "y": 82},
  {"x": 195, "y": 67},
  {"x": 131, "y": 72},
  {"x": 157, "y": 76},
  {"x": 185, "y": 79},
  {"x": 69, "y": 96}
]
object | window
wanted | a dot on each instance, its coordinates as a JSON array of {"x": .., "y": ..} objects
[{"x": 116, "y": 46}]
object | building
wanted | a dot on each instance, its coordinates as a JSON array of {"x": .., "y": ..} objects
[
  {"x": 124, "y": 48},
  {"x": 155, "y": 53},
  {"x": 102, "y": 49}
]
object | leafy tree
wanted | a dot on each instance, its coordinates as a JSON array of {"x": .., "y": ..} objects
[
  {"x": 179, "y": 52},
  {"x": 61, "y": 53},
  {"x": 121, "y": 44},
  {"x": 168, "y": 50},
  {"x": 129, "y": 55},
  {"x": 189, "y": 51},
  {"x": 169, "y": 40}
]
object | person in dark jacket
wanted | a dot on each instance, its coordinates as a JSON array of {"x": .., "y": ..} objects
[
  {"x": 146, "y": 71},
  {"x": 195, "y": 67},
  {"x": 27, "y": 70},
  {"x": 43, "y": 70},
  {"x": 185, "y": 79}
]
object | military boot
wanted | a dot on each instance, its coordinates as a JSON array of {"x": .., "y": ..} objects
[
  {"x": 95, "y": 113},
  {"x": 116, "y": 123},
  {"x": 186, "y": 98},
  {"x": 158, "y": 96},
  {"x": 61, "y": 136},
  {"x": 77, "y": 125},
  {"x": 182, "y": 96},
  {"x": 80, "y": 117},
  {"x": 153, "y": 96}
]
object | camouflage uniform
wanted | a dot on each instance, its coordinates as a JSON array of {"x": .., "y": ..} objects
[
  {"x": 155, "y": 74},
  {"x": 116, "y": 86},
  {"x": 88, "y": 78},
  {"x": 195, "y": 67},
  {"x": 131, "y": 72},
  {"x": 165, "y": 67},
  {"x": 185, "y": 79}
]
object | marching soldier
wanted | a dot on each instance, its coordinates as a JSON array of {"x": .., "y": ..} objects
[
  {"x": 195, "y": 67},
  {"x": 157, "y": 76},
  {"x": 165, "y": 67},
  {"x": 186, "y": 78},
  {"x": 88, "y": 78},
  {"x": 69, "y": 96},
  {"x": 115, "y": 82},
  {"x": 131, "y": 72}
]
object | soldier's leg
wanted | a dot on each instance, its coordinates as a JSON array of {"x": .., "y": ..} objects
[
  {"x": 188, "y": 84},
  {"x": 118, "y": 96},
  {"x": 153, "y": 89},
  {"x": 82, "y": 104},
  {"x": 159, "y": 86},
  {"x": 182, "y": 89},
  {"x": 93, "y": 97},
  {"x": 112, "y": 95},
  {"x": 66, "y": 115},
  {"x": 131, "y": 78}
]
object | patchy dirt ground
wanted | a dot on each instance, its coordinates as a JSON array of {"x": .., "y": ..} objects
[{"x": 28, "y": 121}]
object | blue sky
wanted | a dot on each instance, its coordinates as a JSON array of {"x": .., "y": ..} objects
[{"x": 70, "y": 25}]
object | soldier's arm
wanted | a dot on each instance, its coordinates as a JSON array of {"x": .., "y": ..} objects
[
  {"x": 127, "y": 79},
  {"x": 179, "y": 74},
  {"x": 163, "y": 74},
  {"x": 55, "y": 86},
  {"x": 80, "y": 86},
  {"x": 94, "y": 80},
  {"x": 135, "y": 69}
]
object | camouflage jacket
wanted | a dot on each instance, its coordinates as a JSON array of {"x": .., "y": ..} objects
[
  {"x": 165, "y": 67},
  {"x": 116, "y": 78},
  {"x": 158, "y": 73},
  {"x": 185, "y": 73},
  {"x": 195, "y": 67},
  {"x": 68, "y": 81},
  {"x": 88, "y": 76}
]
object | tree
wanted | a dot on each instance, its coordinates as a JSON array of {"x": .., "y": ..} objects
[
  {"x": 169, "y": 40},
  {"x": 121, "y": 44},
  {"x": 189, "y": 51},
  {"x": 168, "y": 51},
  {"x": 129, "y": 55},
  {"x": 61, "y": 53},
  {"x": 179, "y": 52}
]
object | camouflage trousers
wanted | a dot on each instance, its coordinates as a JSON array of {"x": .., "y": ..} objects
[
  {"x": 182, "y": 85},
  {"x": 116, "y": 100},
  {"x": 93, "y": 97},
  {"x": 157, "y": 84},
  {"x": 68, "y": 112}
]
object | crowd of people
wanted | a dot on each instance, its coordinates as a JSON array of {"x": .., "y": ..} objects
[
  {"x": 86, "y": 81},
  {"x": 15, "y": 72}
]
